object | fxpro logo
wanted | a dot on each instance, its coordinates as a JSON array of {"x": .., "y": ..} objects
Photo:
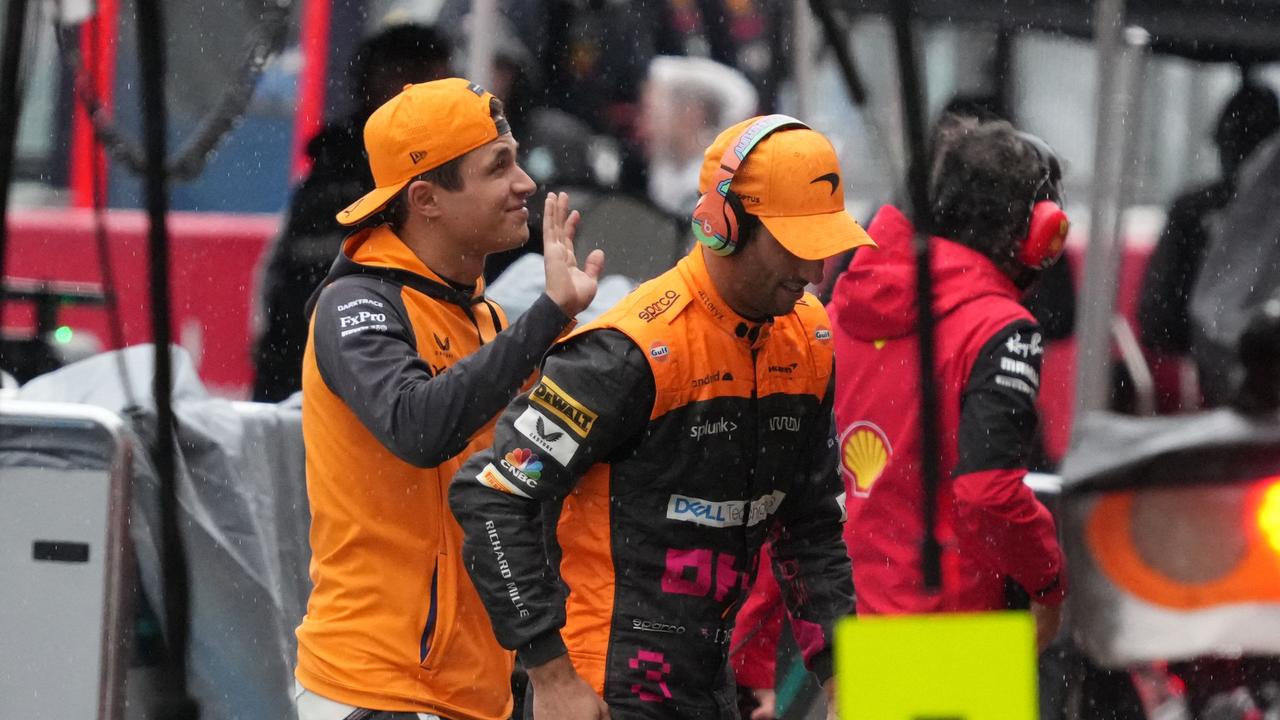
[
  {"x": 723, "y": 513},
  {"x": 712, "y": 427},
  {"x": 360, "y": 318},
  {"x": 659, "y": 306}
]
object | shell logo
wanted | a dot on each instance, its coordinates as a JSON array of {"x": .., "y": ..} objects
[{"x": 864, "y": 453}]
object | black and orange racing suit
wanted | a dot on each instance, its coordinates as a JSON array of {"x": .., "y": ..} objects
[{"x": 666, "y": 441}]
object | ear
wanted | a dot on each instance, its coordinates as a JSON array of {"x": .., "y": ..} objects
[{"x": 423, "y": 198}]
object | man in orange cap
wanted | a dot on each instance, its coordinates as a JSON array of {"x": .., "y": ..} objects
[
  {"x": 675, "y": 434},
  {"x": 406, "y": 365}
]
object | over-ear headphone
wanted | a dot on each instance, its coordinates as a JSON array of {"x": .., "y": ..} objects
[
  {"x": 1048, "y": 224},
  {"x": 717, "y": 216}
]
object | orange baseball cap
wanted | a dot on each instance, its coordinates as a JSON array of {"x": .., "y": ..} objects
[
  {"x": 791, "y": 181},
  {"x": 424, "y": 127}
]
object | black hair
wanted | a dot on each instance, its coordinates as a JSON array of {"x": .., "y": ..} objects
[
  {"x": 984, "y": 178},
  {"x": 1250, "y": 116},
  {"x": 447, "y": 176},
  {"x": 405, "y": 49}
]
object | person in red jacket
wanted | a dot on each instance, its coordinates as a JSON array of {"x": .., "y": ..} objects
[{"x": 994, "y": 196}]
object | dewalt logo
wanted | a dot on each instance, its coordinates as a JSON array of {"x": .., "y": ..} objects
[{"x": 562, "y": 405}]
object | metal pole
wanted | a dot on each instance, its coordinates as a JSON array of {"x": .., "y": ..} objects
[
  {"x": 838, "y": 38},
  {"x": 913, "y": 110},
  {"x": 15, "y": 23},
  {"x": 802, "y": 47},
  {"x": 480, "y": 45},
  {"x": 173, "y": 702},
  {"x": 1121, "y": 64}
]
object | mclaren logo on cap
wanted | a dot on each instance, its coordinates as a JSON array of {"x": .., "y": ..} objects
[
  {"x": 479, "y": 91},
  {"x": 417, "y": 155},
  {"x": 832, "y": 178}
]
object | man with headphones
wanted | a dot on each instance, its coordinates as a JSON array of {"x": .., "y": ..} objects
[
  {"x": 995, "y": 216},
  {"x": 664, "y": 443}
]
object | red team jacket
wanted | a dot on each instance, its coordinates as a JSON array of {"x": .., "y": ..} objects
[{"x": 993, "y": 529}]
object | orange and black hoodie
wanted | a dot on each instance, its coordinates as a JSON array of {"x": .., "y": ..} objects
[{"x": 403, "y": 376}]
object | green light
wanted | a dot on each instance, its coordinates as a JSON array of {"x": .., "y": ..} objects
[{"x": 63, "y": 334}]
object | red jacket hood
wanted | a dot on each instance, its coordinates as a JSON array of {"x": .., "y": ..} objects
[{"x": 875, "y": 298}]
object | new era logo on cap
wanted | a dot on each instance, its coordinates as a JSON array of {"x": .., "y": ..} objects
[{"x": 417, "y": 155}]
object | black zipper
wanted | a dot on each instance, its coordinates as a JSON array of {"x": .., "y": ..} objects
[{"x": 424, "y": 645}]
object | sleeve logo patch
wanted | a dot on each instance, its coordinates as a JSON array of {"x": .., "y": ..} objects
[
  {"x": 547, "y": 436},
  {"x": 524, "y": 465},
  {"x": 562, "y": 405},
  {"x": 490, "y": 477}
]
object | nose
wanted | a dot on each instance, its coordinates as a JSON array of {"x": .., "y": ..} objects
[
  {"x": 523, "y": 185},
  {"x": 811, "y": 271}
]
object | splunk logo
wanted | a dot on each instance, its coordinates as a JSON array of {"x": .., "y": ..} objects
[
  {"x": 524, "y": 464},
  {"x": 659, "y": 306},
  {"x": 723, "y": 513},
  {"x": 712, "y": 427}
]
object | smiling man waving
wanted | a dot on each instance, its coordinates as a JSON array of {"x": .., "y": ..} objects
[{"x": 406, "y": 365}]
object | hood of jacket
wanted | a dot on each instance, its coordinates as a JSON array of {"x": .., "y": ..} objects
[{"x": 875, "y": 298}]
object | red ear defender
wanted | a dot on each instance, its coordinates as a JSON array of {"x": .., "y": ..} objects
[{"x": 1047, "y": 236}]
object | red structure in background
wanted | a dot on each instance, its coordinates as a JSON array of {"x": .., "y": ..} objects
[
  {"x": 213, "y": 265},
  {"x": 98, "y": 43},
  {"x": 215, "y": 259}
]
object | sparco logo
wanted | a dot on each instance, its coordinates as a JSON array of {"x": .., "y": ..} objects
[
  {"x": 712, "y": 427},
  {"x": 659, "y": 306},
  {"x": 656, "y": 626}
]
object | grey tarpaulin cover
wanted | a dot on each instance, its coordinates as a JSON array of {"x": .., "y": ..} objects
[
  {"x": 244, "y": 519},
  {"x": 1241, "y": 270},
  {"x": 1185, "y": 454}
]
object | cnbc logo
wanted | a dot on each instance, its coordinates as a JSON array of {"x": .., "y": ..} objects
[{"x": 525, "y": 465}]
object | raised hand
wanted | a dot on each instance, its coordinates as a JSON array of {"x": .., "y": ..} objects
[{"x": 570, "y": 287}]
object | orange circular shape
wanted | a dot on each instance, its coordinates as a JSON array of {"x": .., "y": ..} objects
[{"x": 1188, "y": 548}]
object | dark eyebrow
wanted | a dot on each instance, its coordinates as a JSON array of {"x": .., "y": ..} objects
[{"x": 503, "y": 152}]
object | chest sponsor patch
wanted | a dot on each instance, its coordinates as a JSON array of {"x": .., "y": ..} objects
[
  {"x": 723, "y": 513},
  {"x": 491, "y": 477},
  {"x": 548, "y": 436},
  {"x": 562, "y": 405}
]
